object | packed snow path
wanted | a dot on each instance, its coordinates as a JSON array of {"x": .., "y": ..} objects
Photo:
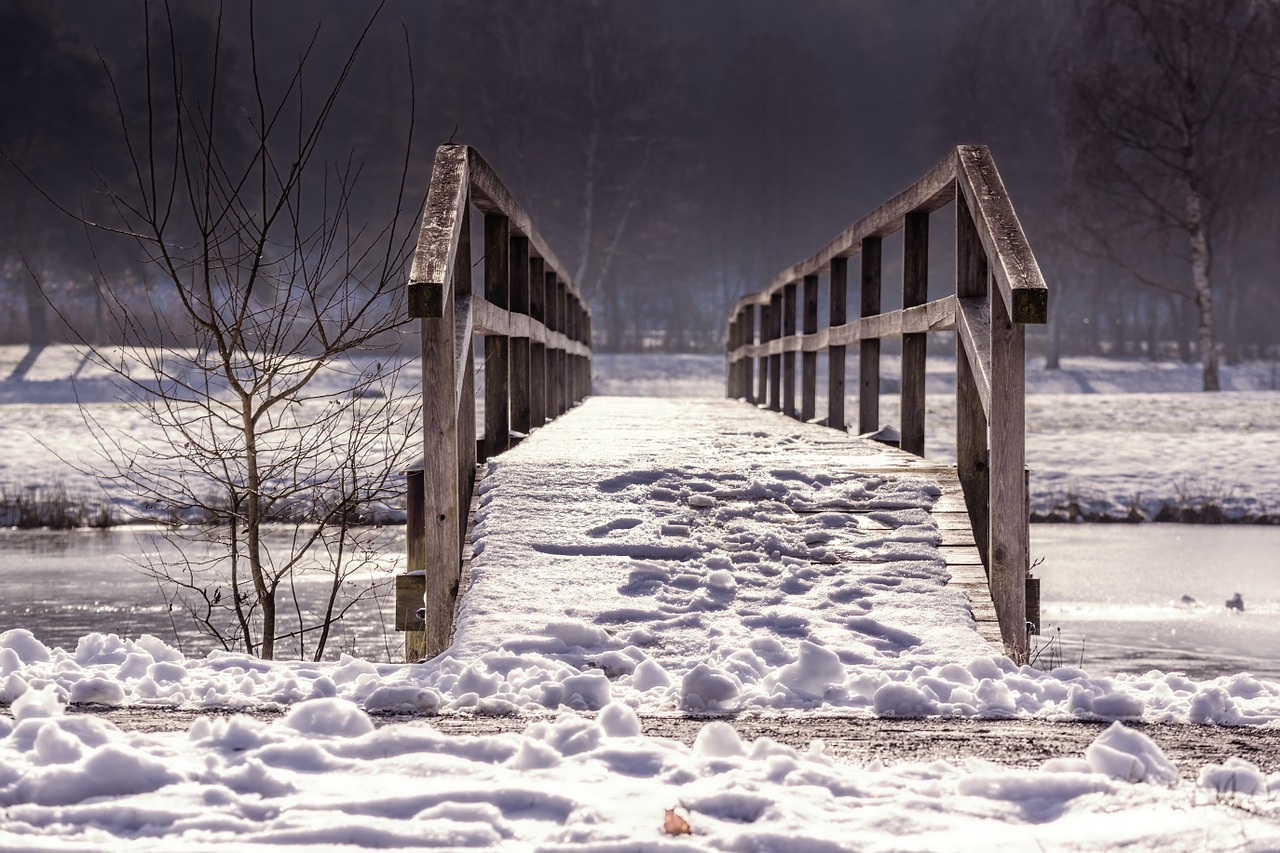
[{"x": 728, "y": 548}]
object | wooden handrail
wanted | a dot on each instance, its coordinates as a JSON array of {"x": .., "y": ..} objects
[
  {"x": 990, "y": 372},
  {"x": 537, "y": 330}
]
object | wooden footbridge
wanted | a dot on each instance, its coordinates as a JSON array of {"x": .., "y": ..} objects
[{"x": 536, "y": 329}]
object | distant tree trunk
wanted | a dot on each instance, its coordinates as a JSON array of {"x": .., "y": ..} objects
[{"x": 1198, "y": 233}]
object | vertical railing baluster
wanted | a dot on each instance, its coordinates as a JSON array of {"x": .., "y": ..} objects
[
  {"x": 809, "y": 358},
  {"x": 748, "y": 364},
  {"x": 762, "y": 363},
  {"x": 538, "y": 350},
  {"x": 497, "y": 288},
  {"x": 789, "y": 356},
  {"x": 972, "y": 466},
  {"x": 915, "y": 291},
  {"x": 775, "y": 360},
  {"x": 869, "y": 348},
  {"x": 521, "y": 420},
  {"x": 838, "y": 300}
]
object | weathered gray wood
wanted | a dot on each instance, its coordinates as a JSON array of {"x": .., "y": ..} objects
[
  {"x": 442, "y": 221},
  {"x": 789, "y": 355},
  {"x": 440, "y": 451},
  {"x": 915, "y": 291},
  {"x": 411, "y": 593},
  {"x": 1010, "y": 532},
  {"x": 1015, "y": 269},
  {"x": 809, "y": 360},
  {"x": 930, "y": 193},
  {"x": 762, "y": 386},
  {"x": 538, "y": 349},
  {"x": 521, "y": 420},
  {"x": 489, "y": 195},
  {"x": 562, "y": 364},
  {"x": 869, "y": 350},
  {"x": 749, "y": 315},
  {"x": 838, "y": 302},
  {"x": 497, "y": 290},
  {"x": 973, "y": 368},
  {"x": 775, "y": 357}
]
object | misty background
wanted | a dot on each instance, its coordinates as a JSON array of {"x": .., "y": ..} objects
[{"x": 677, "y": 155}]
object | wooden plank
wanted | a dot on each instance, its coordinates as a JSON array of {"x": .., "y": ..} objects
[
  {"x": 497, "y": 291},
  {"x": 1021, "y": 285},
  {"x": 837, "y": 309},
  {"x": 915, "y": 291},
  {"x": 789, "y": 354},
  {"x": 932, "y": 192},
  {"x": 1010, "y": 546},
  {"x": 809, "y": 358},
  {"x": 537, "y": 348},
  {"x": 441, "y": 451},
  {"x": 762, "y": 382},
  {"x": 749, "y": 315},
  {"x": 521, "y": 418},
  {"x": 491, "y": 196},
  {"x": 869, "y": 350},
  {"x": 775, "y": 353},
  {"x": 430, "y": 277},
  {"x": 973, "y": 376}
]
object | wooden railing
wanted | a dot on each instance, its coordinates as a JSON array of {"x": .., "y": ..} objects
[
  {"x": 990, "y": 246},
  {"x": 537, "y": 365}
]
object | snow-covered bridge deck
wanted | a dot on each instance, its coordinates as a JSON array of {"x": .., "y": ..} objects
[{"x": 719, "y": 554}]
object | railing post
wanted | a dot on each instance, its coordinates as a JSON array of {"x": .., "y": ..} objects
[
  {"x": 497, "y": 288},
  {"x": 775, "y": 361},
  {"x": 731, "y": 366},
  {"x": 789, "y": 357},
  {"x": 411, "y": 586},
  {"x": 521, "y": 420},
  {"x": 915, "y": 291},
  {"x": 869, "y": 349},
  {"x": 809, "y": 359},
  {"x": 971, "y": 420},
  {"x": 748, "y": 337},
  {"x": 838, "y": 300},
  {"x": 562, "y": 356},
  {"x": 1010, "y": 547},
  {"x": 538, "y": 350},
  {"x": 445, "y": 437},
  {"x": 762, "y": 381}
]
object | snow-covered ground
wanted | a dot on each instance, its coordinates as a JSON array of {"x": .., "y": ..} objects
[{"x": 699, "y": 631}]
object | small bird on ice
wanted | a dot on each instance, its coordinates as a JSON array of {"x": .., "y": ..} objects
[{"x": 1236, "y": 603}]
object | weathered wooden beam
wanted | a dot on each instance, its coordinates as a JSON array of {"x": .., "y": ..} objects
[
  {"x": 538, "y": 347},
  {"x": 442, "y": 224},
  {"x": 789, "y": 353},
  {"x": 1016, "y": 272},
  {"x": 521, "y": 420},
  {"x": 973, "y": 377},
  {"x": 869, "y": 349},
  {"x": 497, "y": 382},
  {"x": 809, "y": 358},
  {"x": 837, "y": 302},
  {"x": 932, "y": 192},
  {"x": 775, "y": 356},
  {"x": 1010, "y": 533},
  {"x": 915, "y": 291}
]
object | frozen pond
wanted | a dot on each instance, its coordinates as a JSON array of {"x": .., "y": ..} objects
[
  {"x": 1111, "y": 595},
  {"x": 1116, "y": 592},
  {"x": 63, "y": 585}
]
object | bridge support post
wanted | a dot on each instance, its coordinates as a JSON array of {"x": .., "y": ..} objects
[
  {"x": 775, "y": 361},
  {"x": 869, "y": 348},
  {"x": 521, "y": 408},
  {"x": 789, "y": 357},
  {"x": 915, "y": 291},
  {"x": 497, "y": 381},
  {"x": 838, "y": 300},
  {"x": 809, "y": 358}
]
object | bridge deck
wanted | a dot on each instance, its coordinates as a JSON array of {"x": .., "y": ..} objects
[{"x": 646, "y": 536}]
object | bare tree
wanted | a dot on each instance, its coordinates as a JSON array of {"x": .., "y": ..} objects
[
  {"x": 261, "y": 352},
  {"x": 1160, "y": 113}
]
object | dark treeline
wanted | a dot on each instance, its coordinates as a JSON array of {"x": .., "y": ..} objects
[{"x": 677, "y": 155}]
